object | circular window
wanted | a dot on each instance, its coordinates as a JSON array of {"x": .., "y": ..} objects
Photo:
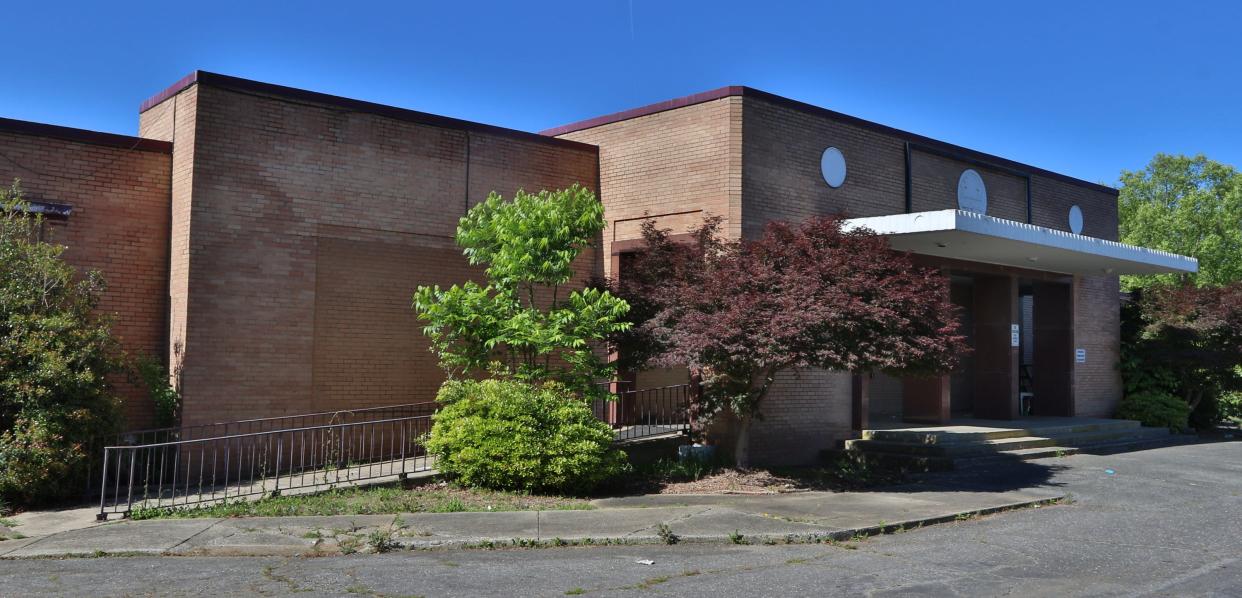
[
  {"x": 832, "y": 164},
  {"x": 1075, "y": 219},
  {"x": 972, "y": 196}
]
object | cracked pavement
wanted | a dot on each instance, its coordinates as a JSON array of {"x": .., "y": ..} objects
[{"x": 1166, "y": 522}]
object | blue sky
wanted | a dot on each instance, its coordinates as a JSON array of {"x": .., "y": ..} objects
[{"x": 1083, "y": 88}]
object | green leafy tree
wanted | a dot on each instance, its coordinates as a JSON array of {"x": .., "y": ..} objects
[
  {"x": 525, "y": 323},
  {"x": 55, "y": 356},
  {"x": 1186, "y": 205}
]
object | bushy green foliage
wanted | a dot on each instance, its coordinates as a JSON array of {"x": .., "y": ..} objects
[
  {"x": 1187, "y": 205},
  {"x": 1185, "y": 341},
  {"x": 522, "y": 324},
  {"x": 55, "y": 355},
  {"x": 154, "y": 376},
  {"x": 1231, "y": 406},
  {"x": 1155, "y": 409},
  {"x": 514, "y": 435}
]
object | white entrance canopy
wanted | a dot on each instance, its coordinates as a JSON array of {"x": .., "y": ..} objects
[{"x": 963, "y": 235}]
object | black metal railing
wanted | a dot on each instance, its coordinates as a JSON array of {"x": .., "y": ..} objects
[
  {"x": 187, "y": 473},
  {"x": 246, "y": 426},
  {"x": 226, "y": 461},
  {"x": 636, "y": 413}
]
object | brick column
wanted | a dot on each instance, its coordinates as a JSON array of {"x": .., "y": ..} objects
[{"x": 860, "y": 398}]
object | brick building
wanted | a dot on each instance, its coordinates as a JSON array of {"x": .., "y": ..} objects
[{"x": 267, "y": 240}]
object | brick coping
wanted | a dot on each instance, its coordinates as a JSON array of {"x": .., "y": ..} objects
[
  {"x": 405, "y": 114},
  {"x": 750, "y": 92},
  {"x": 127, "y": 142}
]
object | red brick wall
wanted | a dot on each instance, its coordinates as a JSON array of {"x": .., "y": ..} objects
[
  {"x": 309, "y": 226},
  {"x": 119, "y": 226},
  {"x": 676, "y": 166},
  {"x": 1097, "y": 328}
]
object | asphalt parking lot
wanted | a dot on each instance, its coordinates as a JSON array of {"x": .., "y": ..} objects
[{"x": 1159, "y": 522}]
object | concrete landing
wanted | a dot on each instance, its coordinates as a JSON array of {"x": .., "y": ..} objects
[{"x": 973, "y": 442}]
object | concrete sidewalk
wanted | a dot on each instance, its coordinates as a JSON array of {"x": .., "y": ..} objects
[{"x": 798, "y": 517}]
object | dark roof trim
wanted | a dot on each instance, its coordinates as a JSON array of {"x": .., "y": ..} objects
[
  {"x": 743, "y": 91},
  {"x": 237, "y": 83},
  {"x": 25, "y": 127}
]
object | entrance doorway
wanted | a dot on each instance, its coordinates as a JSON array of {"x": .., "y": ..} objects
[{"x": 1020, "y": 330}]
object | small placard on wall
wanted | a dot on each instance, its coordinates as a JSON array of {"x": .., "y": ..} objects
[
  {"x": 1015, "y": 339},
  {"x": 1080, "y": 356}
]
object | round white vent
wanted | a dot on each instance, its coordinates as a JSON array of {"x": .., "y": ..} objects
[
  {"x": 832, "y": 164},
  {"x": 1075, "y": 219},
  {"x": 972, "y": 196}
]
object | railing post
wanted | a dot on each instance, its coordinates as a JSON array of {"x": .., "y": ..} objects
[
  {"x": 129, "y": 500},
  {"x": 280, "y": 448},
  {"x": 103, "y": 490}
]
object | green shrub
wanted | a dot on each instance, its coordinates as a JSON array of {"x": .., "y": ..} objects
[
  {"x": 154, "y": 376},
  {"x": 1155, "y": 409},
  {"x": 44, "y": 458},
  {"x": 512, "y": 435},
  {"x": 56, "y": 355}
]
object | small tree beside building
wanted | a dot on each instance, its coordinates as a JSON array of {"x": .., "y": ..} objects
[
  {"x": 812, "y": 295},
  {"x": 531, "y": 427}
]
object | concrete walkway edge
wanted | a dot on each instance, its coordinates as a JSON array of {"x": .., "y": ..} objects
[{"x": 801, "y": 518}]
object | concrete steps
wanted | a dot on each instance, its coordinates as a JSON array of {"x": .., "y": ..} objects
[{"x": 962, "y": 446}]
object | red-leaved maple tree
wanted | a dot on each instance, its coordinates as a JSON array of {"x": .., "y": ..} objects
[
  {"x": 1194, "y": 336},
  {"x": 810, "y": 295}
]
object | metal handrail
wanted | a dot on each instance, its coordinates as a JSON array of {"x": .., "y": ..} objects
[
  {"x": 184, "y": 473},
  {"x": 643, "y": 413},
  {"x": 234, "y": 466}
]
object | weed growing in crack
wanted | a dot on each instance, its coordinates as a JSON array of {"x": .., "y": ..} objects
[{"x": 666, "y": 534}]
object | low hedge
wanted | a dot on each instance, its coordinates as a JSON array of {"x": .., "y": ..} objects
[
  {"x": 511, "y": 435},
  {"x": 1155, "y": 409}
]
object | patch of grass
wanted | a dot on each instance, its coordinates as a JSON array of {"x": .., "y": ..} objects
[
  {"x": 8, "y": 522},
  {"x": 349, "y": 544},
  {"x": 374, "y": 500},
  {"x": 575, "y": 592},
  {"x": 736, "y": 537},
  {"x": 452, "y": 505}
]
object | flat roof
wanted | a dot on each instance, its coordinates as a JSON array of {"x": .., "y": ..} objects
[
  {"x": 964, "y": 235},
  {"x": 126, "y": 142},
  {"x": 743, "y": 91},
  {"x": 293, "y": 93}
]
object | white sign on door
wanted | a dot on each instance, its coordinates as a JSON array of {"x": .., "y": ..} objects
[{"x": 1015, "y": 339}]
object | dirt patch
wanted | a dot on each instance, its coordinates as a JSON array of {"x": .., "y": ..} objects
[
  {"x": 732, "y": 481},
  {"x": 722, "y": 480}
]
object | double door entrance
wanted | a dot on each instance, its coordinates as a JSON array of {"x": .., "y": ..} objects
[{"x": 1021, "y": 329}]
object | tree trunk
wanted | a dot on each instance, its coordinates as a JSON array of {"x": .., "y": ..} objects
[
  {"x": 741, "y": 449},
  {"x": 694, "y": 410}
]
